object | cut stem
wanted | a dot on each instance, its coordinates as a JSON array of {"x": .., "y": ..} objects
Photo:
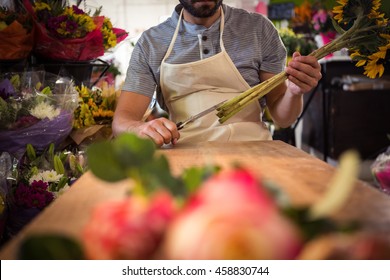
[{"x": 350, "y": 37}]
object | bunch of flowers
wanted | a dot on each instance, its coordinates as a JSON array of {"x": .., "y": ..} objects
[
  {"x": 381, "y": 171},
  {"x": 35, "y": 108},
  {"x": 16, "y": 34},
  {"x": 207, "y": 212},
  {"x": 302, "y": 20},
  {"x": 39, "y": 179},
  {"x": 96, "y": 105},
  {"x": 204, "y": 213},
  {"x": 69, "y": 33},
  {"x": 363, "y": 29},
  {"x": 322, "y": 21},
  {"x": 312, "y": 18},
  {"x": 296, "y": 42},
  {"x": 93, "y": 116}
]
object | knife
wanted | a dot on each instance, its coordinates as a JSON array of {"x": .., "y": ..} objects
[{"x": 180, "y": 125}]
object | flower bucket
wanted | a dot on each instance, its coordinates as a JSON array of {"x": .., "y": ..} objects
[
  {"x": 79, "y": 71},
  {"x": 16, "y": 65}
]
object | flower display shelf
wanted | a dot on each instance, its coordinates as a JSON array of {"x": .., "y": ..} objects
[{"x": 80, "y": 71}]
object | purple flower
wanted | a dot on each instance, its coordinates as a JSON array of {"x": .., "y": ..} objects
[
  {"x": 6, "y": 89},
  {"x": 24, "y": 121},
  {"x": 77, "y": 10},
  {"x": 54, "y": 23},
  {"x": 34, "y": 196},
  {"x": 70, "y": 26}
]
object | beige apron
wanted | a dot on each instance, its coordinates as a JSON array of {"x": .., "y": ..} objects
[{"x": 190, "y": 88}]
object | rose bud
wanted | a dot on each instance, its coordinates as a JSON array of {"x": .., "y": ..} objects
[
  {"x": 129, "y": 229},
  {"x": 231, "y": 216}
]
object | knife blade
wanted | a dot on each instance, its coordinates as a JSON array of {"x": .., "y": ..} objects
[{"x": 180, "y": 125}]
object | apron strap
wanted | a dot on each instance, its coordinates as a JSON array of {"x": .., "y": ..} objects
[
  {"x": 221, "y": 29},
  {"x": 174, "y": 37}
]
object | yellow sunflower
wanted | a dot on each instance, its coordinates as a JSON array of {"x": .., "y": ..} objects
[
  {"x": 374, "y": 67},
  {"x": 356, "y": 55},
  {"x": 339, "y": 10}
]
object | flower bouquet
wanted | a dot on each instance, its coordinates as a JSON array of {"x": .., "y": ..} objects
[
  {"x": 95, "y": 112},
  {"x": 39, "y": 179},
  {"x": 296, "y": 42},
  {"x": 67, "y": 33},
  {"x": 16, "y": 34},
  {"x": 205, "y": 212},
  {"x": 381, "y": 171},
  {"x": 35, "y": 108},
  {"x": 5, "y": 173},
  {"x": 363, "y": 29}
]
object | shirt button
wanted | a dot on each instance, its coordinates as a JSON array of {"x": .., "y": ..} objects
[
  {"x": 204, "y": 38},
  {"x": 206, "y": 51}
]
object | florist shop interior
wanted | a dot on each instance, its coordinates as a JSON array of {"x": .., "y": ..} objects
[{"x": 69, "y": 189}]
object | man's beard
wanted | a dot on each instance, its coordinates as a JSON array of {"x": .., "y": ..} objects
[{"x": 203, "y": 11}]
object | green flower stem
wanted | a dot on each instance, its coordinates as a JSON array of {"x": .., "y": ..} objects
[
  {"x": 351, "y": 37},
  {"x": 228, "y": 110},
  {"x": 136, "y": 177}
]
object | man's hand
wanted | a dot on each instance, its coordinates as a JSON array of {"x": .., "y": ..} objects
[
  {"x": 304, "y": 73},
  {"x": 161, "y": 131}
]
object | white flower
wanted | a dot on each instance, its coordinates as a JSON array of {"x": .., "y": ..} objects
[
  {"x": 61, "y": 191},
  {"x": 48, "y": 176},
  {"x": 45, "y": 110}
]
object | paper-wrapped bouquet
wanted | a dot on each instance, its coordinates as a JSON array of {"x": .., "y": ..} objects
[{"x": 35, "y": 108}]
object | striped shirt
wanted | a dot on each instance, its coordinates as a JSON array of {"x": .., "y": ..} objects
[{"x": 250, "y": 39}]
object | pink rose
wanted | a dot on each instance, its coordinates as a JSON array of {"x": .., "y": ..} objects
[
  {"x": 231, "y": 217},
  {"x": 129, "y": 229},
  {"x": 383, "y": 177}
]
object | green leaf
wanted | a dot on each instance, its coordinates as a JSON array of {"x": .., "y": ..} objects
[
  {"x": 31, "y": 152},
  {"x": 312, "y": 228},
  {"x": 50, "y": 247},
  {"x": 193, "y": 177},
  {"x": 58, "y": 165},
  {"x": 157, "y": 174},
  {"x": 61, "y": 183},
  {"x": 50, "y": 152},
  {"x": 131, "y": 150},
  {"x": 103, "y": 162},
  {"x": 46, "y": 91},
  {"x": 337, "y": 27}
]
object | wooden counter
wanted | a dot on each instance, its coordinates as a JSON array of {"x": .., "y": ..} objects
[{"x": 302, "y": 176}]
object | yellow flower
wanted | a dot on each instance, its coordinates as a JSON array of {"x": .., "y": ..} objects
[
  {"x": 374, "y": 67},
  {"x": 366, "y": 37},
  {"x": 356, "y": 55},
  {"x": 3, "y": 25},
  {"x": 339, "y": 10},
  {"x": 40, "y": 6}
]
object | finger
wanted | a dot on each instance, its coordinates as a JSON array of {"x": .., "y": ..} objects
[
  {"x": 171, "y": 126},
  {"x": 166, "y": 129},
  {"x": 296, "y": 54},
  {"x": 150, "y": 132}
]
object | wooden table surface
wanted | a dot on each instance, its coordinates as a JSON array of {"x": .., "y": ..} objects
[{"x": 302, "y": 176}]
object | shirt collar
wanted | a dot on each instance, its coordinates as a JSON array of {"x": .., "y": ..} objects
[{"x": 194, "y": 28}]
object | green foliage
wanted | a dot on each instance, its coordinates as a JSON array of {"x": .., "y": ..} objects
[
  {"x": 194, "y": 176},
  {"x": 50, "y": 247},
  {"x": 129, "y": 156},
  {"x": 296, "y": 42},
  {"x": 312, "y": 228}
]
